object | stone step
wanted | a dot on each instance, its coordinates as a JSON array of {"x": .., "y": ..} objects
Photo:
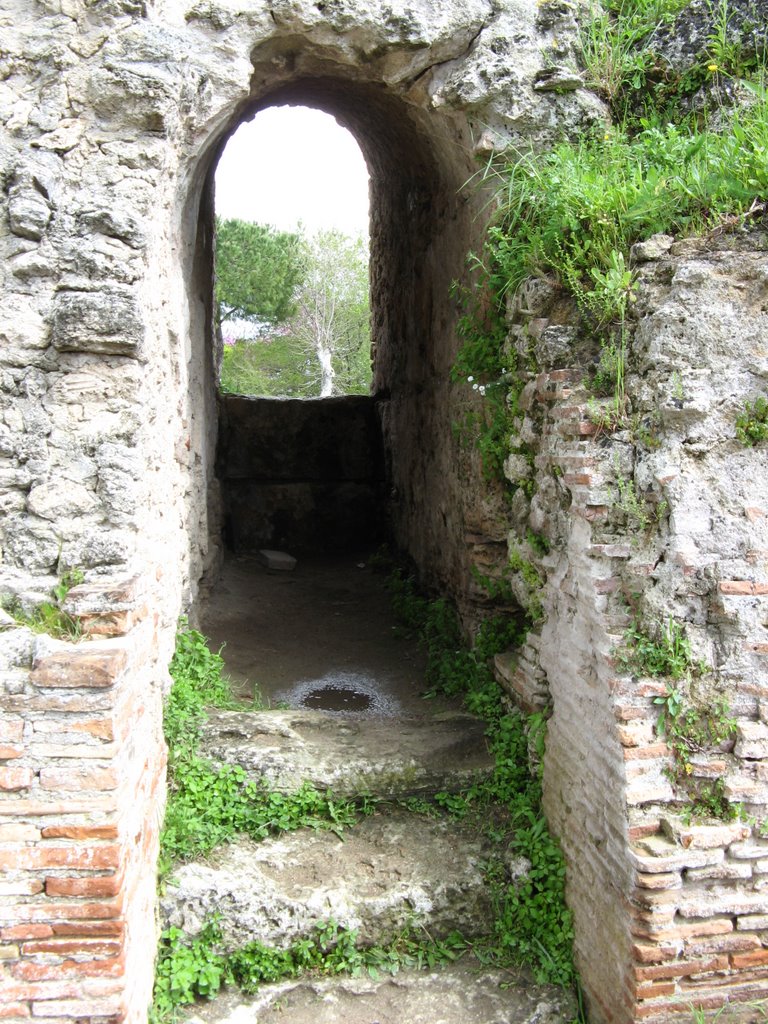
[
  {"x": 386, "y": 757},
  {"x": 459, "y": 993},
  {"x": 390, "y": 871}
]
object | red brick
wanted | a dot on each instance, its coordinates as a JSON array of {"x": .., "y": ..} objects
[
  {"x": 33, "y": 808},
  {"x": 8, "y": 753},
  {"x": 26, "y": 931},
  {"x": 681, "y": 968},
  {"x": 643, "y": 831},
  {"x": 25, "y": 970},
  {"x": 663, "y": 880},
  {"x": 648, "y": 753},
  {"x": 100, "y": 728},
  {"x": 78, "y": 779},
  {"x": 754, "y": 959},
  {"x": 50, "y": 912},
  {"x": 11, "y": 729},
  {"x": 744, "y": 588},
  {"x": 14, "y": 1010},
  {"x": 80, "y": 832},
  {"x": 84, "y": 1009},
  {"x": 734, "y": 943},
  {"x": 11, "y": 991},
  {"x": 19, "y": 834},
  {"x": 95, "y": 888},
  {"x": 23, "y": 887},
  {"x": 80, "y": 858},
  {"x": 648, "y": 954},
  {"x": 81, "y": 667},
  {"x": 62, "y": 947},
  {"x": 90, "y": 928},
  {"x": 16, "y": 778},
  {"x": 650, "y": 991}
]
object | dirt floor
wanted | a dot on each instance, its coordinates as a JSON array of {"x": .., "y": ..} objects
[{"x": 321, "y": 636}]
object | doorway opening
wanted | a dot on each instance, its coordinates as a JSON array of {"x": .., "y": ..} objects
[{"x": 292, "y": 276}]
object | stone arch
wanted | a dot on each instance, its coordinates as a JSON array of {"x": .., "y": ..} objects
[
  {"x": 423, "y": 223},
  {"x": 110, "y": 446}
]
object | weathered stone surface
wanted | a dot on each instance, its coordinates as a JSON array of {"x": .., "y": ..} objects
[
  {"x": 287, "y": 439},
  {"x": 390, "y": 870},
  {"x": 28, "y": 212},
  {"x": 387, "y": 757},
  {"x": 88, "y": 665},
  {"x": 689, "y": 38},
  {"x": 459, "y": 993},
  {"x": 107, "y": 321}
]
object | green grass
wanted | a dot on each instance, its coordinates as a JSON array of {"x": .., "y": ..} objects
[
  {"x": 191, "y": 968},
  {"x": 576, "y": 212},
  {"x": 49, "y": 616},
  {"x": 532, "y": 925},
  {"x": 752, "y": 422},
  {"x": 211, "y": 804}
]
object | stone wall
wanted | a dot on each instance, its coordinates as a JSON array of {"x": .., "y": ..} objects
[
  {"x": 303, "y": 475},
  {"x": 114, "y": 114},
  {"x": 669, "y": 914}
]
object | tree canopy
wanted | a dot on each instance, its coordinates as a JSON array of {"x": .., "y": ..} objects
[{"x": 258, "y": 270}]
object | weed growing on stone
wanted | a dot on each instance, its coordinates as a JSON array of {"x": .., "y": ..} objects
[
  {"x": 752, "y": 422},
  {"x": 664, "y": 651},
  {"x": 210, "y": 804},
  {"x": 532, "y": 925},
  {"x": 49, "y": 616},
  {"x": 197, "y": 967},
  {"x": 689, "y": 725},
  {"x": 484, "y": 364},
  {"x": 578, "y": 209}
]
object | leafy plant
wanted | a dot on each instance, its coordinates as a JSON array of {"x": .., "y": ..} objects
[
  {"x": 186, "y": 968},
  {"x": 752, "y": 422},
  {"x": 532, "y": 924},
  {"x": 210, "y": 804},
  {"x": 577, "y": 209},
  {"x": 688, "y": 725},
  {"x": 662, "y": 651},
  {"x": 189, "y": 968}
]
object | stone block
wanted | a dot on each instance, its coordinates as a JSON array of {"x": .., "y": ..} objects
[
  {"x": 279, "y": 560},
  {"x": 751, "y": 740},
  {"x": 28, "y": 212},
  {"x": 87, "y": 666},
  {"x": 107, "y": 322}
]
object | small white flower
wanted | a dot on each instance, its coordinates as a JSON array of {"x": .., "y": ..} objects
[
  {"x": 474, "y": 387},
  {"x": 482, "y": 389},
  {"x": 470, "y": 379}
]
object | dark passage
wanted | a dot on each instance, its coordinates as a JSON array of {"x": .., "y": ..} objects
[{"x": 302, "y": 475}]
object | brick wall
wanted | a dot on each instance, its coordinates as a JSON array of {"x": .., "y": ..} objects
[
  {"x": 669, "y": 914},
  {"x": 82, "y": 779}
]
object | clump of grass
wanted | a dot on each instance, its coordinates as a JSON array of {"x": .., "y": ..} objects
[
  {"x": 752, "y": 422},
  {"x": 577, "y": 211},
  {"x": 49, "y": 616}
]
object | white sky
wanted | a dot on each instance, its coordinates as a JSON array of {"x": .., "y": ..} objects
[{"x": 292, "y": 164}]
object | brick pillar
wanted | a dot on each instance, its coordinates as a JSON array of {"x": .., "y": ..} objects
[{"x": 83, "y": 787}]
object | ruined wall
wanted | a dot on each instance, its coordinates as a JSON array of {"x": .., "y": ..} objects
[
  {"x": 677, "y": 909},
  {"x": 114, "y": 112}
]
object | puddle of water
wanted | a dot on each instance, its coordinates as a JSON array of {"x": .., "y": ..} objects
[
  {"x": 337, "y": 698},
  {"x": 341, "y": 693}
]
